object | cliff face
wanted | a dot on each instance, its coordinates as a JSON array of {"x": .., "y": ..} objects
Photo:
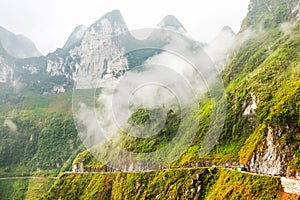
[
  {"x": 6, "y": 71},
  {"x": 262, "y": 81},
  {"x": 274, "y": 157},
  {"x": 91, "y": 60}
]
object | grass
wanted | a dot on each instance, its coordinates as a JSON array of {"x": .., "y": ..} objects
[{"x": 166, "y": 184}]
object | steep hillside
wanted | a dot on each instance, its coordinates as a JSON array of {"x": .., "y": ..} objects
[
  {"x": 37, "y": 143},
  {"x": 24, "y": 188},
  {"x": 271, "y": 13},
  {"x": 261, "y": 130},
  {"x": 169, "y": 184},
  {"x": 262, "y": 114}
]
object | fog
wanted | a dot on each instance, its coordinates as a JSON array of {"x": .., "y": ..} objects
[{"x": 174, "y": 79}]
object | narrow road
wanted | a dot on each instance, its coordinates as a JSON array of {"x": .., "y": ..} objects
[{"x": 27, "y": 177}]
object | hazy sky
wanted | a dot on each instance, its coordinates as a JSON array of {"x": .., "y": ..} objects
[{"x": 49, "y": 22}]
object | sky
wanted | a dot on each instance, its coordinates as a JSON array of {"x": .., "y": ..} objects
[{"x": 48, "y": 23}]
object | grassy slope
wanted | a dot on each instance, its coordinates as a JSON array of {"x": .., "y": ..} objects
[
  {"x": 268, "y": 67},
  {"x": 24, "y": 188},
  {"x": 272, "y": 74},
  {"x": 44, "y": 141},
  {"x": 169, "y": 184}
]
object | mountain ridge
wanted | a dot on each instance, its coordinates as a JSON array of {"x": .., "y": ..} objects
[
  {"x": 261, "y": 131},
  {"x": 18, "y": 46},
  {"x": 170, "y": 22}
]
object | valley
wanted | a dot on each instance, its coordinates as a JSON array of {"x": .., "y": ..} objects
[{"x": 110, "y": 116}]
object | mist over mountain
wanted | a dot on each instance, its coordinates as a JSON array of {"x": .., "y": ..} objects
[
  {"x": 170, "y": 22},
  {"x": 76, "y": 36},
  {"x": 221, "y": 46},
  {"x": 250, "y": 118},
  {"x": 18, "y": 46}
]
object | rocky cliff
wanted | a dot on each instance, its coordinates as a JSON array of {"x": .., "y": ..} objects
[{"x": 90, "y": 60}]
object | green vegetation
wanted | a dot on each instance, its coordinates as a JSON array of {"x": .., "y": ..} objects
[
  {"x": 262, "y": 92},
  {"x": 42, "y": 143},
  {"x": 24, "y": 188},
  {"x": 270, "y": 76},
  {"x": 237, "y": 185},
  {"x": 193, "y": 125},
  {"x": 167, "y": 184},
  {"x": 13, "y": 188},
  {"x": 269, "y": 13}
]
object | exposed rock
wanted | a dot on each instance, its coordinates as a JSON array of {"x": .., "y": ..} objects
[
  {"x": 251, "y": 105},
  {"x": 296, "y": 11},
  {"x": 78, "y": 167},
  {"x": 11, "y": 125},
  {"x": 97, "y": 57},
  {"x": 76, "y": 36},
  {"x": 6, "y": 71},
  {"x": 58, "y": 89},
  {"x": 57, "y": 67},
  {"x": 32, "y": 69},
  {"x": 291, "y": 186},
  {"x": 273, "y": 157}
]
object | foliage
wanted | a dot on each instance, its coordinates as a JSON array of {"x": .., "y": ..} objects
[
  {"x": 167, "y": 184},
  {"x": 42, "y": 141},
  {"x": 24, "y": 188}
]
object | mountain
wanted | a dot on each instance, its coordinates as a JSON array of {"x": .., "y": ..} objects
[
  {"x": 86, "y": 60},
  {"x": 261, "y": 76},
  {"x": 76, "y": 36},
  {"x": 89, "y": 57},
  {"x": 270, "y": 14},
  {"x": 221, "y": 46},
  {"x": 261, "y": 84},
  {"x": 18, "y": 46},
  {"x": 261, "y": 130},
  {"x": 170, "y": 22}
]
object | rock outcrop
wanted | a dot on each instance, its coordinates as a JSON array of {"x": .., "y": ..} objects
[
  {"x": 273, "y": 157},
  {"x": 291, "y": 186},
  {"x": 97, "y": 56}
]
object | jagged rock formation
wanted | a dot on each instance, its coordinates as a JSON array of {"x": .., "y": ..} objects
[
  {"x": 17, "y": 46},
  {"x": 90, "y": 55},
  {"x": 97, "y": 55}
]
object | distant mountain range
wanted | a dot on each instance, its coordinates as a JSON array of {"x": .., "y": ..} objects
[
  {"x": 83, "y": 59},
  {"x": 18, "y": 46},
  {"x": 261, "y": 81}
]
